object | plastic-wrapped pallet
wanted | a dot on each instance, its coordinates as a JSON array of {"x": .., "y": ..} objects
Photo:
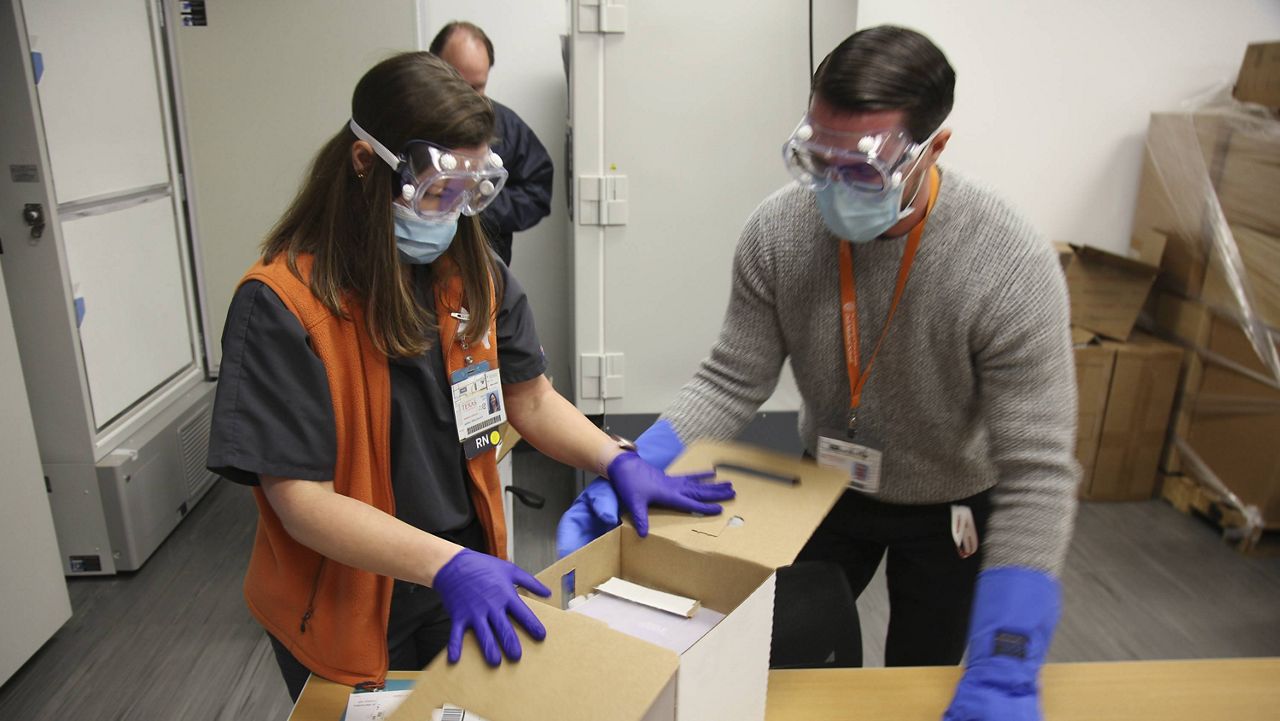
[{"x": 1209, "y": 206}]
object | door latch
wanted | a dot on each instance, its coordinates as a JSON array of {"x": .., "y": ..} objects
[
  {"x": 527, "y": 497},
  {"x": 33, "y": 216}
]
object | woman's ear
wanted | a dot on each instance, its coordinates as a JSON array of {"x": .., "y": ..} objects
[{"x": 362, "y": 158}]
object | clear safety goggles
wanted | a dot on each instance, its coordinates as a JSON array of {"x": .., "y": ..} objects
[
  {"x": 437, "y": 182},
  {"x": 871, "y": 163}
]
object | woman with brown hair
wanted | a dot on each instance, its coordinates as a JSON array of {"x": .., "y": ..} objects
[{"x": 357, "y": 358}]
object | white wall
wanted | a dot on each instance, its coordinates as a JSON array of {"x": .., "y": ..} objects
[
  {"x": 262, "y": 88},
  {"x": 528, "y": 77},
  {"x": 1052, "y": 98}
]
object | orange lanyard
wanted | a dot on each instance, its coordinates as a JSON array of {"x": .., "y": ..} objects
[{"x": 849, "y": 305}]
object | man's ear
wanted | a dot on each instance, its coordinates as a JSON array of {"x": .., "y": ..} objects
[{"x": 939, "y": 143}]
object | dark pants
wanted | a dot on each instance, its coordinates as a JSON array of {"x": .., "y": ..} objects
[
  {"x": 417, "y": 630},
  {"x": 930, "y": 586}
]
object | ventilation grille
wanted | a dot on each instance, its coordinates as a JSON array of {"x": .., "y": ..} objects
[{"x": 195, "y": 449}]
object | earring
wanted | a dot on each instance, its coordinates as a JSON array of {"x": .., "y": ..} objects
[{"x": 360, "y": 176}]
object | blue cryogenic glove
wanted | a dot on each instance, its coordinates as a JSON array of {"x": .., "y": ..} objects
[
  {"x": 1014, "y": 613},
  {"x": 479, "y": 592},
  {"x": 595, "y": 511}
]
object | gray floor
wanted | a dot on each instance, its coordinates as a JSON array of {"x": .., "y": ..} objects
[{"x": 173, "y": 641}]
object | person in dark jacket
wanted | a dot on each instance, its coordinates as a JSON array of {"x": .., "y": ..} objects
[{"x": 526, "y": 198}]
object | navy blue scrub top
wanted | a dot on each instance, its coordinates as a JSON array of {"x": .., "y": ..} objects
[{"x": 273, "y": 413}]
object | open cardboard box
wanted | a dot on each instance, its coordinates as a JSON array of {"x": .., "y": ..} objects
[
  {"x": 587, "y": 671},
  {"x": 1107, "y": 290}
]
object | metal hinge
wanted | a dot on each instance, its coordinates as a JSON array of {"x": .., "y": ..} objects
[
  {"x": 601, "y": 375},
  {"x": 602, "y": 16},
  {"x": 602, "y": 200}
]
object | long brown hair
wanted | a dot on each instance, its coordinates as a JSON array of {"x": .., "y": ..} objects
[{"x": 345, "y": 222}]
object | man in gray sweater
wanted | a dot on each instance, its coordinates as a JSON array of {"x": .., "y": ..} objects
[{"x": 928, "y": 327}]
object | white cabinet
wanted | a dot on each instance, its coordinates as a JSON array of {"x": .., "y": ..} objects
[
  {"x": 34, "y": 594},
  {"x": 101, "y": 292},
  {"x": 679, "y": 114}
]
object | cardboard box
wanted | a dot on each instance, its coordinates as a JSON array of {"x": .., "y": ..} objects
[
  {"x": 1107, "y": 290},
  {"x": 1244, "y": 168},
  {"x": 1228, "y": 407},
  {"x": 1261, "y": 256},
  {"x": 1259, "y": 79},
  {"x": 726, "y": 564},
  {"x": 1144, "y": 382},
  {"x": 1126, "y": 394},
  {"x": 1239, "y": 163},
  {"x": 1157, "y": 221},
  {"x": 1094, "y": 365},
  {"x": 1191, "y": 324}
]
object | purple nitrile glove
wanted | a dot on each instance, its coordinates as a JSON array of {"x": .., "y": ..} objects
[
  {"x": 479, "y": 592},
  {"x": 640, "y": 485}
]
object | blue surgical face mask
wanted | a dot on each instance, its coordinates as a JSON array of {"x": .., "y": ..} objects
[
  {"x": 422, "y": 241},
  {"x": 861, "y": 217}
]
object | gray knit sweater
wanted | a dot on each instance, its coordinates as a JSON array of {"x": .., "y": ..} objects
[{"x": 974, "y": 387}]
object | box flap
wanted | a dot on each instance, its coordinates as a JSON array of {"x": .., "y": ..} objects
[
  {"x": 1259, "y": 79},
  {"x": 781, "y": 500},
  {"x": 1107, "y": 291},
  {"x": 1149, "y": 246},
  {"x": 510, "y": 439},
  {"x": 1065, "y": 253},
  {"x": 1145, "y": 344},
  {"x": 548, "y": 682},
  {"x": 1098, "y": 256},
  {"x": 1080, "y": 336}
]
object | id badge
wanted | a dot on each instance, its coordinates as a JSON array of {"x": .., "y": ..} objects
[
  {"x": 478, "y": 406},
  {"x": 861, "y": 461}
]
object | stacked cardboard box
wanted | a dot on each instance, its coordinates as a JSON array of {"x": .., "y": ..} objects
[
  {"x": 1240, "y": 166},
  {"x": 1126, "y": 380},
  {"x": 1126, "y": 395},
  {"x": 1209, "y": 194}
]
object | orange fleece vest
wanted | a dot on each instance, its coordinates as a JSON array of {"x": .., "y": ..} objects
[{"x": 332, "y": 617}]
